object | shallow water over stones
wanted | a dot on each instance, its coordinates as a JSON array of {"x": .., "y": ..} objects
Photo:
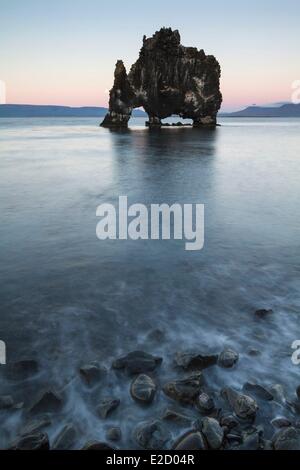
[{"x": 69, "y": 301}]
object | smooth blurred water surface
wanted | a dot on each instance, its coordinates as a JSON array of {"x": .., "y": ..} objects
[{"x": 68, "y": 298}]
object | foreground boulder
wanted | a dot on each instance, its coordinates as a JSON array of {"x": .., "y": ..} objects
[
  {"x": 137, "y": 362},
  {"x": 233, "y": 439},
  {"x": 107, "y": 406},
  {"x": 281, "y": 423},
  {"x": 228, "y": 358},
  {"x": 174, "y": 416},
  {"x": 244, "y": 406},
  {"x": 258, "y": 391},
  {"x": 287, "y": 439},
  {"x": 229, "y": 421},
  {"x": 185, "y": 390},
  {"x": 193, "y": 360},
  {"x": 37, "y": 441},
  {"x": 143, "y": 389},
  {"x": 114, "y": 434},
  {"x": 92, "y": 373},
  {"x": 152, "y": 435},
  {"x": 278, "y": 393},
  {"x": 205, "y": 403},
  {"x": 213, "y": 433},
  {"x": 192, "y": 440},
  {"x": 251, "y": 441},
  {"x": 66, "y": 438},
  {"x": 94, "y": 445},
  {"x": 167, "y": 79},
  {"x": 48, "y": 401}
]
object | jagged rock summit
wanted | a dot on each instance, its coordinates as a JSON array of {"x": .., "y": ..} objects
[{"x": 167, "y": 79}]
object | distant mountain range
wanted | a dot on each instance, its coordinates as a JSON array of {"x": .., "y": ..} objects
[
  {"x": 39, "y": 111},
  {"x": 285, "y": 110},
  {"x": 36, "y": 111}
]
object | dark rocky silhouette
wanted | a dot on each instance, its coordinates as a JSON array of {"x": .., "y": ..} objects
[{"x": 167, "y": 79}]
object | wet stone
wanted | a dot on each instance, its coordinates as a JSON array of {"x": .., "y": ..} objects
[
  {"x": 185, "y": 390},
  {"x": 143, "y": 389},
  {"x": 36, "y": 441},
  {"x": 294, "y": 405},
  {"x": 195, "y": 360},
  {"x": 228, "y": 358},
  {"x": 281, "y": 422},
  {"x": 234, "y": 438},
  {"x": 92, "y": 373},
  {"x": 229, "y": 421},
  {"x": 205, "y": 403},
  {"x": 213, "y": 433},
  {"x": 278, "y": 393},
  {"x": 137, "y": 362},
  {"x": 243, "y": 406},
  {"x": 251, "y": 442},
  {"x": 152, "y": 435},
  {"x": 48, "y": 401},
  {"x": 287, "y": 439},
  {"x": 107, "y": 406},
  {"x": 114, "y": 434},
  {"x": 191, "y": 441},
  {"x": 176, "y": 417},
  {"x": 66, "y": 438},
  {"x": 266, "y": 444},
  {"x": 94, "y": 445},
  {"x": 258, "y": 391}
]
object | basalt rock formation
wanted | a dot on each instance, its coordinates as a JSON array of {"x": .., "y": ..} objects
[{"x": 167, "y": 79}]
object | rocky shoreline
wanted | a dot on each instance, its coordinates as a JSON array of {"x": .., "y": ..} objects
[{"x": 255, "y": 417}]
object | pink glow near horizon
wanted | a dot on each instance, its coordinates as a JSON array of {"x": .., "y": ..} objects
[
  {"x": 230, "y": 100},
  {"x": 91, "y": 89}
]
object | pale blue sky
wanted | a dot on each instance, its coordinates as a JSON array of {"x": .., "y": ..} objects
[{"x": 64, "y": 51}]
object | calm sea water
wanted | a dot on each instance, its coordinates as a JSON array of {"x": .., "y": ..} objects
[{"x": 68, "y": 298}]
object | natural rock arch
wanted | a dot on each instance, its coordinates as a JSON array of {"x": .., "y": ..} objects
[{"x": 167, "y": 79}]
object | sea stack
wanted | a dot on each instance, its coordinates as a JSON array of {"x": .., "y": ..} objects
[{"x": 167, "y": 79}]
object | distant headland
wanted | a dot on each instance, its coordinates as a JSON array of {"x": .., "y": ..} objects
[
  {"x": 287, "y": 110},
  {"x": 32, "y": 111}
]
